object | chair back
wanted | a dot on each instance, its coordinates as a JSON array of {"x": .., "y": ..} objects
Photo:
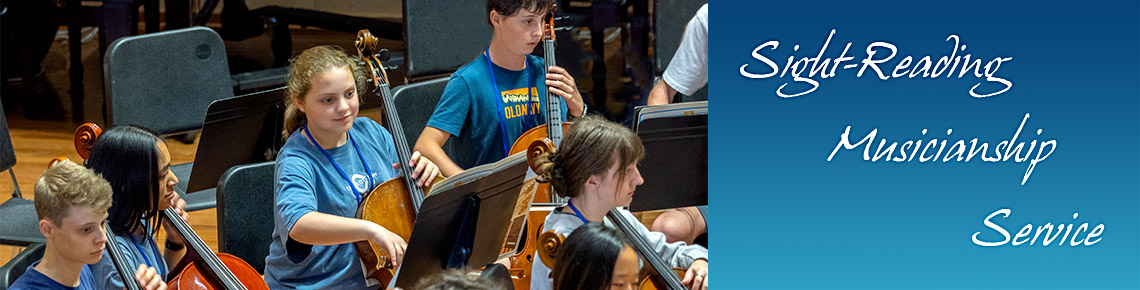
[
  {"x": 7, "y": 154},
  {"x": 245, "y": 212},
  {"x": 415, "y": 104},
  {"x": 442, "y": 35},
  {"x": 165, "y": 81},
  {"x": 16, "y": 266}
]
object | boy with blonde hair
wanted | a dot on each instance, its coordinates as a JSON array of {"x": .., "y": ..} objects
[{"x": 72, "y": 202}]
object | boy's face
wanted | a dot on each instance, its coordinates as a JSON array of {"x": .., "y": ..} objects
[
  {"x": 521, "y": 31},
  {"x": 79, "y": 236}
]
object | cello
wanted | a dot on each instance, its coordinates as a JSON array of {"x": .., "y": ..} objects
[
  {"x": 536, "y": 192},
  {"x": 394, "y": 203},
  {"x": 200, "y": 268}
]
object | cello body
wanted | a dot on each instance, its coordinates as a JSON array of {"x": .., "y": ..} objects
[{"x": 193, "y": 277}]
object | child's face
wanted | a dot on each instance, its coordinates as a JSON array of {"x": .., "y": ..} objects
[
  {"x": 331, "y": 104},
  {"x": 80, "y": 235},
  {"x": 166, "y": 178},
  {"x": 621, "y": 190},
  {"x": 625, "y": 270},
  {"x": 521, "y": 31}
]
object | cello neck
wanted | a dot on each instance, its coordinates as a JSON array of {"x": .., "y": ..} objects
[
  {"x": 403, "y": 153},
  {"x": 645, "y": 249},
  {"x": 553, "y": 102},
  {"x": 119, "y": 259},
  {"x": 195, "y": 243}
]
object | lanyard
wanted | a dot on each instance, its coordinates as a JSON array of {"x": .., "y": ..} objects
[
  {"x": 367, "y": 171},
  {"x": 161, "y": 269},
  {"x": 576, "y": 212},
  {"x": 498, "y": 101}
]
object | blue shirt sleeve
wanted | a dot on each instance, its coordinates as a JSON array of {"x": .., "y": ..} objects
[
  {"x": 451, "y": 112},
  {"x": 294, "y": 191}
]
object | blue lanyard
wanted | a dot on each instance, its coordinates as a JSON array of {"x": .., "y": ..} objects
[
  {"x": 367, "y": 171},
  {"x": 498, "y": 101},
  {"x": 576, "y": 212},
  {"x": 161, "y": 269}
]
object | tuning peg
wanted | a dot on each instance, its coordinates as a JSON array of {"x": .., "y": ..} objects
[
  {"x": 384, "y": 54},
  {"x": 560, "y": 18}
]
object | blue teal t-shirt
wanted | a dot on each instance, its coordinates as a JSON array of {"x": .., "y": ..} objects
[
  {"x": 305, "y": 182},
  {"x": 34, "y": 280},
  {"x": 143, "y": 250},
  {"x": 469, "y": 109}
]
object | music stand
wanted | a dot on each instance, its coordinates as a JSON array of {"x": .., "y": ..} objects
[
  {"x": 463, "y": 225},
  {"x": 241, "y": 130},
  {"x": 676, "y": 165}
]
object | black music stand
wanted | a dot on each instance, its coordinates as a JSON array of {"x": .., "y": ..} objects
[
  {"x": 241, "y": 130},
  {"x": 463, "y": 225},
  {"x": 676, "y": 165}
]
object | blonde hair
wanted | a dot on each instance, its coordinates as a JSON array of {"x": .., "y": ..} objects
[
  {"x": 65, "y": 185},
  {"x": 592, "y": 145},
  {"x": 304, "y": 67}
]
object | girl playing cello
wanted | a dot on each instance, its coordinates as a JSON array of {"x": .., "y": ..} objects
[
  {"x": 596, "y": 167},
  {"x": 331, "y": 158}
]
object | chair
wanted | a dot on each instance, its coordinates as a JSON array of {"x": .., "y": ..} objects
[
  {"x": 461, "y": 24},
  {"x": 245, "y": 212},
  {"x": 415, "y": 103},
  {"x": 19, "y": 225},
  {"x": 165, "y": 81},
  {"x": 670, "y": 18},
  {"x": 16, "y": 267}
]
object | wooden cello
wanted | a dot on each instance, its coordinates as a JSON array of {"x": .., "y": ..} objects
[
  {"x": 200, "y": 268},
  {"x": 394, "y": 203},
  {"x": 532, "y": 192}
]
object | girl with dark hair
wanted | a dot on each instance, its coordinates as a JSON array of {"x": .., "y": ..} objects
[
  {"x": 596, "y": 256},
  {"x": 137, "y": 165},
  {"x": 330, "y": 160},
  {"x": 596, "y": 167}
]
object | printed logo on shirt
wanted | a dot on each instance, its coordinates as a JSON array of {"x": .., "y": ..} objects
[
  {"x": 515, "y": 103},
  {"x": 360, "y": 182}
]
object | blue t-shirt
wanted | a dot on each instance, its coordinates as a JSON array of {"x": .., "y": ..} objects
[
  {"x": 305, "y": 182},
  {"x": 469, "y": 109},
  {"x": 34, "y": 280},
  {"x": 144, "y": 252}
]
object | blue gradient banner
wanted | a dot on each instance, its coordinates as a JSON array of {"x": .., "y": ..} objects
[{"x": 1022, "y": 113}]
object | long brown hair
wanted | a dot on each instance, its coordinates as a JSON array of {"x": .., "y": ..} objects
[
  {"x": 589, "y": 149},
  {"x": 304, "y": 67}
]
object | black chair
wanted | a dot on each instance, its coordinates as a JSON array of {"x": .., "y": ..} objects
[
  {"x": 16, "y": 267},
  {"x": 670, "y": 18},
  {"x": 461, "y": 24},
  {"x": 165, "y": 81},
  {"x": 415, "y": 103},
  {"x": 19, "y": 226},
  {"x": 245, "y": 212}
]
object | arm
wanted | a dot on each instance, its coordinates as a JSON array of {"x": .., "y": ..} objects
[
  {"x": 661, "y": 94},
  {"x": 430, "y": 144},
  {"x": 315, "y": 228}
]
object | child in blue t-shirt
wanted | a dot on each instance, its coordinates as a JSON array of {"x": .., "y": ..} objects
[
  {"x": 331, "y": 159},
  {"x": 492, "y": 100},
  {"x": 137, "y": 165},
  {"x": 71, "y": 202}
]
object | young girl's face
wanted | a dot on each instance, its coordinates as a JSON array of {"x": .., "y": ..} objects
[
  {"x": 621, "y": 189},
  {"x": 331, "y": 104},
  {"x": 166, "y": 178},
  {"x": 625, "y": 270}
]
